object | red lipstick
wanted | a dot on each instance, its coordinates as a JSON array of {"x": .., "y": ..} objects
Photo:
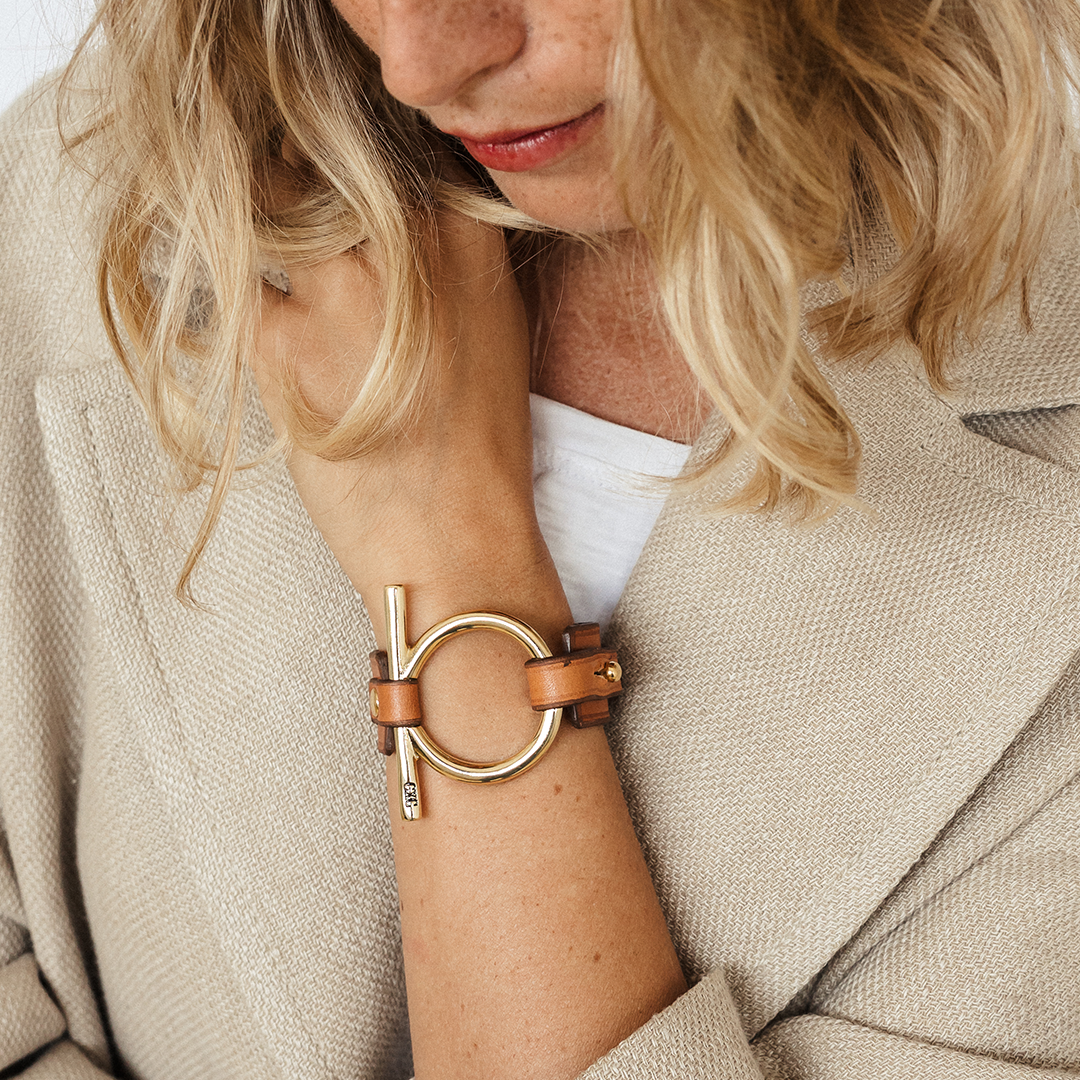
[{"x": 520, "y": 151}]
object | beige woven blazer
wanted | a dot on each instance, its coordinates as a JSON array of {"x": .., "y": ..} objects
[{"x": 849, "y": 751}]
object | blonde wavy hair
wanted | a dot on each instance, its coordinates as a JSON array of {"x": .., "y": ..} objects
[
  {"x": 782, "y": 133},
  {"x": 786, "y": 133}
]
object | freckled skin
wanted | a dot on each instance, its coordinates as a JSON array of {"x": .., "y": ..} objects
[{"x": 481, "y": 69}]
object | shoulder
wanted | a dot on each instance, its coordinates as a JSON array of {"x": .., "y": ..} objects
[
  {"x": 49, "y": 208},
  {"x": 1016, "y": 366}
]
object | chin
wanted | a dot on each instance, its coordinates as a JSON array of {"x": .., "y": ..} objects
[{"x": 570, "y": 204}]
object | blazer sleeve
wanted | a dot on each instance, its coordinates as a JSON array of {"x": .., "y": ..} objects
[
  {"x": 49, "y": 1020},
  {"x": 977, "y": 983},
  {"x": 46, "y": 998},
  {"x": 32, "y": 1029}
]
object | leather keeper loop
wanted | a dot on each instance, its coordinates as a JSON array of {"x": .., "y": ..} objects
[
  {"x": 581, "y": 682},
  {"x": 395, "y": 702},
  {"x": 392, "y": 702}
]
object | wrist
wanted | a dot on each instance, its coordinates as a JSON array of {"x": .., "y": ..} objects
[
  {"x": 506, "y": 568},
  {"x": 474, "y": 690}
]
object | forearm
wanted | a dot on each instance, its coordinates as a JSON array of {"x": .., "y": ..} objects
[
  {"x": 532, "y": 934},
  {"x": 533, "y": 939}
]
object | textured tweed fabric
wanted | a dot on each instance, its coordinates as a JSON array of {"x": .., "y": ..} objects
[{"x": 850, "y": 752}]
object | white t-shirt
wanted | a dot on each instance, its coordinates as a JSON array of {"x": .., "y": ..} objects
[{"x": 597, "y": 499}]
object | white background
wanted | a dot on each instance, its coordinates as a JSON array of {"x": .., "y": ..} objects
[{"x": 36, "y": 36}]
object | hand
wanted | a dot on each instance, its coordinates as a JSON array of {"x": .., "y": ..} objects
[{"x": 430, "y": 501}]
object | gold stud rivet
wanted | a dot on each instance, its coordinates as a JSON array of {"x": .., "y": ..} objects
[
  {"x": 373, "y": 702},
  {"x": 611, "y": 671}
]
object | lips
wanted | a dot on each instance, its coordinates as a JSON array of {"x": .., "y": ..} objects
[{"x": 520, "y": 151}]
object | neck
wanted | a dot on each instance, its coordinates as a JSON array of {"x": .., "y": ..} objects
[{"x": 601, "y": 345}]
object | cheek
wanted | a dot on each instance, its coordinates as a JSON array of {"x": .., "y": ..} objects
[
  {"x": 363, "y": 18},
  {"x": 596, "y": 27}
]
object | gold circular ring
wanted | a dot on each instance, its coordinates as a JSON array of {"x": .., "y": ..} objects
[{"x": 472, "y": 772}]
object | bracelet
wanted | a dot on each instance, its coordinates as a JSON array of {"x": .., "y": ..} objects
[{"x": 582, "y": 680}]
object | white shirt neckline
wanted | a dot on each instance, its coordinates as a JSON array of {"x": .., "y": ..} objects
[{"x": 599, "y": 489}]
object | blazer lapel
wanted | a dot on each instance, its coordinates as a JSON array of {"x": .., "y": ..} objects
[
  {"x": 249, "y": 718},
  {"x": 808, "y": 707}
]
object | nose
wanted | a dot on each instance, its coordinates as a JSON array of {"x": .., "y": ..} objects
[{"x": 432, "y": 50}]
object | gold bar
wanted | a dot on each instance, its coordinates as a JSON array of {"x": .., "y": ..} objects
[{"x": 408, "y": 781}]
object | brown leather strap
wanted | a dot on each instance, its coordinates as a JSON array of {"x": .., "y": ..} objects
[
  {"x": 581, "y": 682},
  {"x": 393, "y": 702}
]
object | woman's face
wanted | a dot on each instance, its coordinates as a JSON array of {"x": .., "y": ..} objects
[{"x": 522, "y": 83}]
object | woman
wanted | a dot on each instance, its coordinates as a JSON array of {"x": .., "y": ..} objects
[{"x": 847, "y": 751}]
